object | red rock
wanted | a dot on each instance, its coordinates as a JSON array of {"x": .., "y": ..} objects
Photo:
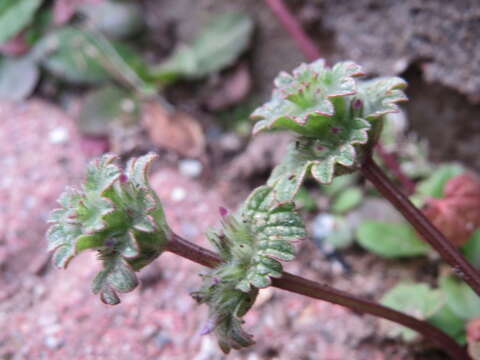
[{"x": 40, "y": 156}]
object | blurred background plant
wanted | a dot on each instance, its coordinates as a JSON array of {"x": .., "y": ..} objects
[
  {"x": 349, "y": 213},
  {"x": 191, "y": 98},
  {"x": 99, "y": 49}
]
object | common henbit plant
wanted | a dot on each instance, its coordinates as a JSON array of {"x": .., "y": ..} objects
[
  {"x": 337, "y": 119},
  {"x": 117, "y": 213},
  {"x": 333, "y": 116}
]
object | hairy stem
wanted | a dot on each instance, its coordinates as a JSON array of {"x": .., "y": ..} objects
[
  {"x": 311, "y": 52},
  {"x": 299, "y": 285},
  {"x": 424, "y": 227}
]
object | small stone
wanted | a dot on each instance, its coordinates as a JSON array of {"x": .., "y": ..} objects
[
  {"x": 191, "y": 168},
  {"x": 162, "y": 339},
  {"x": 189, "y": 230},
  {"x": 231, "y": 142},
  {"x": 58, "y": 135},
  {"x": 400, "y": 65},
  {"x": 323, "y": 225},
  {"x": 30, "y": 202},
  {"x": 128, "y": 105},
  {"x": 148, "y": 331},
  {"x": 53, "y": 342},
  {"x": 178, "y": 194}
]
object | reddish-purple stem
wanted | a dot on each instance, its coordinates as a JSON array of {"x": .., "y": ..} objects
[
  {"x": 299, "y": 285},
  {"x": 423, "y": 226},
  {"x": 291, "y": 24},
  {"x": 311, "y": 52}
]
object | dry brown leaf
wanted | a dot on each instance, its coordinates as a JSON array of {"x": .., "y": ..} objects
[
  {"x": 457, "y": 214},
  {"x": 177, "y": 131},
  {"x": 232, "y": 90}
]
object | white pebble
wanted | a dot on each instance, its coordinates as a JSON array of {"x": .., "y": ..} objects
[
  {"x": 53, "y": 342},
  {"x": 178, "y": 194},
  {"x": 191, "y": 168},
  {"x": 128, "y": 105},
  {"x": 58, "y": 135}
]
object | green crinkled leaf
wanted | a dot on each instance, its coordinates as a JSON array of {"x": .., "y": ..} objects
[
  {"x": 390, "y": 239},
  {"x": 145, "y": 207},
  {"x": 56, "y": 236},
  {"x": 137, "y": 169},
  {"x": 302, "y": 102},
  {"x": 62, "y": 256},
  {"x": 261, "y": 270},
  {"x": 417, "y": 300},
  {"x": 101, "y": 174},
  {"x": 333, "y": 110},
  {"x": 231, "y": 335},
  {"x": 115, "y": 276},
  {"x": 323, "y": 159},
  {"x": 380, "y": 96},
  {"x": 61, "y": 239},
  {"x": 287, "y": 177},
  {"x": 69, "y": 200},
  {"x": 15, "y": 15},
  {"x": 94, "y": 207},
  {"x": 92, "y": 212},
  {"x": 250, "y": 244},
  {"x": 216, "y": 47},
  {"x": 62, "y": 234},
  {"x": 315, "y": 82},
  {"x": 275, "y": 227},
  {"x": 226, "y": 305},
  {"x": 88, "y": 241},
  {"x": 118, "y": 215}
]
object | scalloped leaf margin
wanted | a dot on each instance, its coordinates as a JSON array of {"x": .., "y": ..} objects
[
  {"x": 304, "y": 99},
  {"x": 250, "y": 243},
  {"x": 116, "y": 213},
  {"x": 319, "y": 158}
]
